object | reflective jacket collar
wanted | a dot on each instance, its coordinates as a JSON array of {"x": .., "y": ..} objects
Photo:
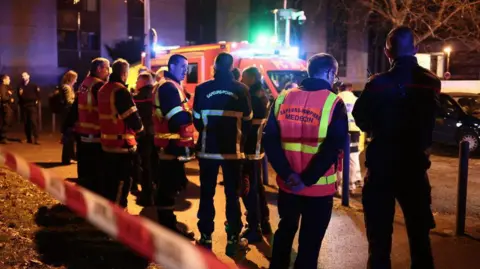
[
  {"x": 404, "y": 61},
  {"x": 170, "y": 76},
  {"x": 314, "y": 84},
  {"x": 223, "y": 75},
  {"x": 116, "y": 78}
]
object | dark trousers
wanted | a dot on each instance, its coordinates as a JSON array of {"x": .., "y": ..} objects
[
  {"x": 170, "y": 175},
  {"x": 30, "y": 114},
  {"x": 68, "y": 148},
  {"x": 316, "y": 213},
  {"x": 255, "y": 201},
  {"x": 3, "y": 123},
  {"x": 412, "y": 191},
  {"x": 117, "y": 178},
  {"x": 89, "y": 165},
  {"x": 148, "y": 163},
  {"x": 232, "y": 170}
]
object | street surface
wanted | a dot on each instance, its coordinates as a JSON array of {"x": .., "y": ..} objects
[{"x": 345, "y": 245}]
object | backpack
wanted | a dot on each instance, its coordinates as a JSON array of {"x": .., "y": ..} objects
[{"x": 57, "y": 101}]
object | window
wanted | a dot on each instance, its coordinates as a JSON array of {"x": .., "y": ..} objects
[
  {"x": 192, "y": 73},
  {"x": 89, "y": 41},
  {"x": 67, "y": 39}
]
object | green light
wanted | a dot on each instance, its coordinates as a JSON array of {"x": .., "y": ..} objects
[{"x": 262, "y": 40}]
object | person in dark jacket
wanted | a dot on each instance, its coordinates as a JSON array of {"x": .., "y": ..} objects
[
  {"x": 397, "y": 108},
  {"x": 29, "y": 98},
  {"x": 254, "y": 200},
  {"x": 173, "y": 140},
  {"x": 68, "y": 142},
  {"x": 236, "y": 73},
  {"x": 6, "y": 111},
  {"x": 223, "y": 116},
  {"x": 305, "y": 192},
  {"x": 147, "y": 156}
]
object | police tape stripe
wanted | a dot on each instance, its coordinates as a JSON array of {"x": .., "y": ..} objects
[{"x": 154, "y": 242}]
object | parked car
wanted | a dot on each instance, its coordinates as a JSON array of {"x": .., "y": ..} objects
[{"x": 458, "y": 120}]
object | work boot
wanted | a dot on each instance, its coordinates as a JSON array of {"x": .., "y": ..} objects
[
  {"x": 205, "y": 241},
  {"x": 252, "y": 235},
  {"x": 236, "y": 248},
  {"x": 266, "y": 227}
]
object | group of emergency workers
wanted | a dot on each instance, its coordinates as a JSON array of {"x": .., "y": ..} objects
[{"x": 117, "y": 131}]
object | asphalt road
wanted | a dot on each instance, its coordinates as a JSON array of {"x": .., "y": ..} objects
[{"x": 345, "y": 245}]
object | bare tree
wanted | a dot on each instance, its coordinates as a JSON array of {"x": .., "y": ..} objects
[{"x": 430, "y": 19}]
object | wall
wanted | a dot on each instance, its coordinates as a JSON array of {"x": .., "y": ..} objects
[
  {"x": 471, "y": 86},
  {"x": 357, "y": 48},
  {"x": 168, "y": 19},
  {"x": 233, "y": 20},
  {"x": 114, "y": 23}
]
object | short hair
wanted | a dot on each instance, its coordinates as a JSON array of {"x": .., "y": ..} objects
[
  {"x": 2, "y": 77},
  {"x": 224, "y": 61},
  {"x": 96, "y": 63},
  {"x": 401, "y": 41},
  {"x": 120, "y": 66},
  {"x": 145, "y": 76},
  {"x": 236, "y": 73},
  {"x": 253, "y": 72},
  {"x": 345, "y": 87},
  {"x": 174, "y": 59},
  {"x": 69, "y": 77},
  {"x": 321, "y": 62}
]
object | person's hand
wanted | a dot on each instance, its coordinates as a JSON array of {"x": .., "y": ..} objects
[{"x": 295, "y": 183}]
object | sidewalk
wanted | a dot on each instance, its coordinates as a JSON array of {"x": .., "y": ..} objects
[{"x": 344, "y": 247}]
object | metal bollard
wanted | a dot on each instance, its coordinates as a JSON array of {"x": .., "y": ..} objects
[
  {"x": 346, "y": 173},
  {"x": 40, "y": 120},
  {"x": 462, "y": 187},
  {"x": 53, "y": 123},
  {"x": 265, "y": 170}
]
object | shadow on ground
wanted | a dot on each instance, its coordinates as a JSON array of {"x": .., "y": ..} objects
[
  {"x": 67, "y": 240},
  {"x": 48, "y": 165}
]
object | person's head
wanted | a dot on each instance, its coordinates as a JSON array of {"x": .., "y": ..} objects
[
  {"x": 251, "y": 75},
  {"x": 223, "y": 62},
  {"x": 100, "y": 67},
  {"x": 120, "y": 69},
  {"x": 144, "y": 79},
  {"x": 291, "y": 85},
  {"x": 25, "y": 77},
  {"x": 236, "y": 74},
  {"x": 70, "y": 78},
  {"x": 345, "y": 87},
  {"x": 178, "y": 66},
  {"x": 400, "y": 42},
  {"x": 323, "y": 66},
  {"x": 5, "y": 79}
]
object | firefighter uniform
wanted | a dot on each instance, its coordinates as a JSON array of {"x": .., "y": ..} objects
[
  {"x": 349, "y": 100},
  {"x": 257, "y": 209},
  {"x": 222, "y": 115},
  {"x": 119, "y": 125},
  {"x": 172, "y": 121},
  {"x": 398, "y": 109},
  {"x": 306, "y": 130},
  {"x": 146, "y": 153},
  {"x": 83, "y": 118}
]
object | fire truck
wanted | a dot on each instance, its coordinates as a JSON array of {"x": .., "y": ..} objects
[{"x": 278, "y": 65}]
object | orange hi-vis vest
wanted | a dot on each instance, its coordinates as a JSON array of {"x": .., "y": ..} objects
[
  {"x": 303, "y": 118},
  {"x": 87, "y": 125},
  {"x": 184, "y": 137},
  {"x": 115, "y": 137}
]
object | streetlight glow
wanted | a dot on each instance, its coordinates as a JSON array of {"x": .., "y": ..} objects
[{"x": 447, "y": 50}]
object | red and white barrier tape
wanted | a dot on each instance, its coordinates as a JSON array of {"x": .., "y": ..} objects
[{"x": 149, "y": 239}]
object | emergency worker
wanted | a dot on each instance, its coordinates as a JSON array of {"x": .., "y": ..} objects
[
  {"x": 305, "y": 133},
  {"x": 254, "y": 200},
  {"x": 29, "y": 97},
  {"x": 398, "y": 109},
  {"x": 146, "y": 153},
  {"x": 119, "y": 125},
  {"x": 346, "y": 94},
  {"x": 83, "y": 119},
  {"x": 236, "y": 74},
  {"x": 6, "y": 111},
  {"x": 223, "y": 116},
  {"x": 174, "y": 130}
]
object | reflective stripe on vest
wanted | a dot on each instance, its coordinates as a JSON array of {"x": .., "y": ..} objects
[{"x": 87, "y": 123}]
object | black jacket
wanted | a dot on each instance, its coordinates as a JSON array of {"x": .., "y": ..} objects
[
  {"x": 28, "y": 94},
  {"x": 253, "y": 146},
  {"x": 143, "y": 101},
  {"x": 223, "y": 116},
  {"x": 397, "y": 108},
  {"x": 170, "y": 98},
  {"x": 329, "y": 150}
]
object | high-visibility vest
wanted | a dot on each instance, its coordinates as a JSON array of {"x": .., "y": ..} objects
[
  {"x": 87, "y": 125},
  {"x": 303, "y": 118},
  {"x": 349, "y": 100},
  {"x": 184, "y": 137},
  {"x": 115, "y": 136}
]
